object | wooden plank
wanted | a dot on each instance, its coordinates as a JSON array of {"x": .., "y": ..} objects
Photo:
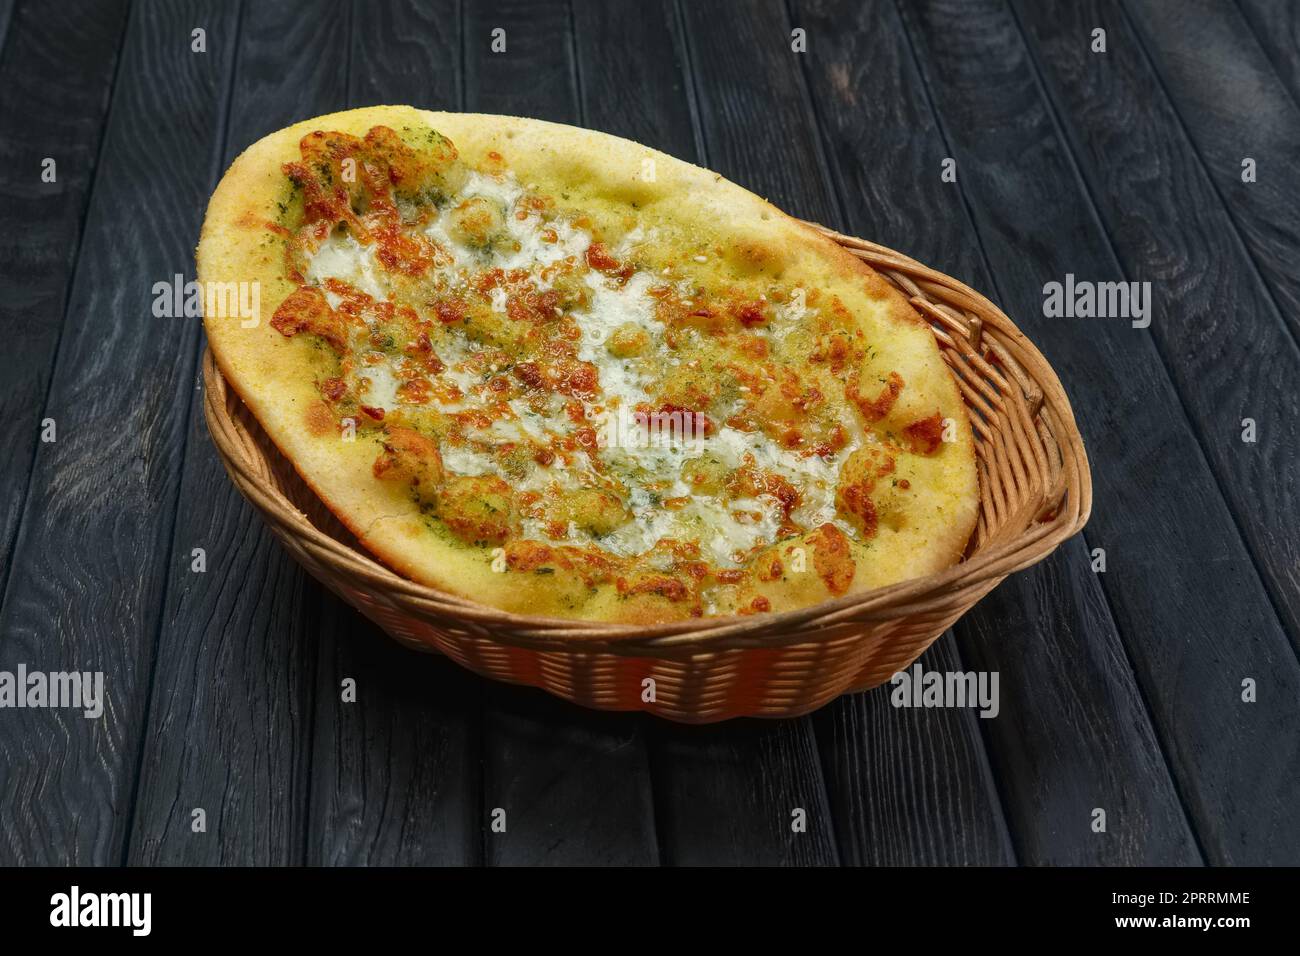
[
  {"x": 536, "y": 74},
  {"x": 1056, "y": 763},
  {"x": 1169, "y": 587},
  {"x": 885, "y": 151},
  {"x": 395, "y": 775},
  {"x": 405, "y": 748},
  {"x": 757, "y": 124},
  {"x": 1233, "y": 106},
  {"x": 575, "y": 784},
  {"x": 40, "y": 223},
  {"x": 723, "y": 794},
  {"x": 1225, "y": 319},
  {"x": 726, "y": 793},
  {"x": 1073, "y": 734},
  {"x": 230, "y": 712},
  {"x": 93, "y": 548},
  {"x": 879, "y": 814},
  {"x": 1276, "y": 25},
  {"x": 407, "y": 51},
  {"x": 911, "y": 787},
  {"x": 634, "y": 74},
  {"x": 1213, "y": 320}
]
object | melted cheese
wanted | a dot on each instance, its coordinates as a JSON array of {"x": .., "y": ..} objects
[
  {"x": 342, "y": 257},
  {"x": 525, "y": 244},
  {"x": 815, "y": 477},
  {"x": 613, "y": 305},
  {"x": 647, "y": 468},
  {"x": 381, "y": 385}
]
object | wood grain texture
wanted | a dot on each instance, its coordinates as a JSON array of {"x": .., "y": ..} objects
[
  {"x": 886, "y": 152},
  {"x": 890, "y": 807},
  {"x": 407, "y": 52},
  {"x": 911, "y": 787},
  {"x": 94, "y": 545},
  {"x": 535, "y": 75},
  {"x": 723, "y": 794},
  {"x": 575, "y": 785},
  {"x": 56, "y": 71},
  {"x": 1168, "y": 585},
  {"x": 1232, "y": 105},
  {"x": 395, "y": 776},
  {"x": 1276, "y": 25},
  {"x": 757, "y": 125},
  {"x": 1119, "y": 690},
  {"x": 1073, "y": 735},
  {"x": 642, "y": 97},
  {"x": 727, "y": 794},
  {"x": 1231, "y": 359},
  {"x": 1213, "y": 316},
  {"x": 231, "y": 707}
]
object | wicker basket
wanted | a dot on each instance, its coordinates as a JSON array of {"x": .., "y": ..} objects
[{"x": 1035, "y": 491}]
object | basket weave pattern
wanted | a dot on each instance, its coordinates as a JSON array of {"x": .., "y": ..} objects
[{"x": 1035, "y": 491}]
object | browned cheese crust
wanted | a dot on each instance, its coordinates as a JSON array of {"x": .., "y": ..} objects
[{"x": 567, "y": 375}]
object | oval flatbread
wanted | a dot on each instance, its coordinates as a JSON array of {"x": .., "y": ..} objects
[{"x": 566, "y": 375}]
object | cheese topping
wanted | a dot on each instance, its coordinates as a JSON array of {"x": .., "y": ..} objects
[{"x": 533, "y": 377}]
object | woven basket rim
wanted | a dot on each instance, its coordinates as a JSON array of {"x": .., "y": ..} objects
[{"x": 1058, "y": 512}]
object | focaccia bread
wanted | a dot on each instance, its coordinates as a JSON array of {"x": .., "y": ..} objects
[{"x": 566, "y": 375}]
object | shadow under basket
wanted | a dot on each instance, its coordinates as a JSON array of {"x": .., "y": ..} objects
[{"x": 1035, "y": 491}]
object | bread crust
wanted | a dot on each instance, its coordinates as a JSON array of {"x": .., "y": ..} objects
[{"x": 272, "y": 373}]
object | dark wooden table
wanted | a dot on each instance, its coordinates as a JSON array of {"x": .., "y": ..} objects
[{"x": 1121, "y": 689}]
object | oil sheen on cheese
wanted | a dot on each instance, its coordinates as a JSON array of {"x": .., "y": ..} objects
[{"x": 648, "y": 470}]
